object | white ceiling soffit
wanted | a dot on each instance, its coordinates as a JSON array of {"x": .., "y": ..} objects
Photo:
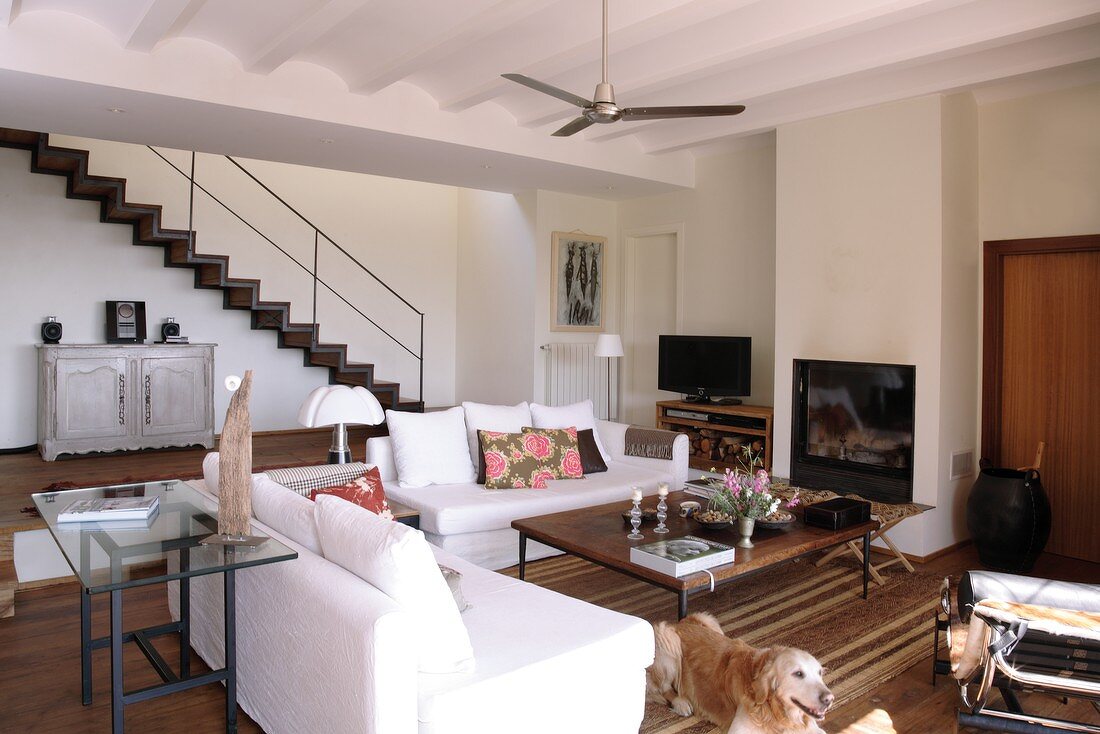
[{"x": 412, "y": 88}]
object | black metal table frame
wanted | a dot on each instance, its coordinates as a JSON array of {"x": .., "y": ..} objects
[
  {"x": 172, "y": 683},
  {"x": 683, "y": 594}
]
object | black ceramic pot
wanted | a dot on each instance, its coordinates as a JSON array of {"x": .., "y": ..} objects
[{"x": 1008, "y": 515}]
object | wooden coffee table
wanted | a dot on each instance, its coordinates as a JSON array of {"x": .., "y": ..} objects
[{"x": 598, "y": 534}]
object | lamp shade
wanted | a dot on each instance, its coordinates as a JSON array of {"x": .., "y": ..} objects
[
  {"x": 609, "y": 345},
  {"x": 329, "y": 405}
]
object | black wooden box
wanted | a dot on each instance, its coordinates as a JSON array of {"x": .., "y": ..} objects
[{"x": 837, "y": 513}]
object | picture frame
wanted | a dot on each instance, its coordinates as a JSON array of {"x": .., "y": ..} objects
[{"x": 578, "y": 267}]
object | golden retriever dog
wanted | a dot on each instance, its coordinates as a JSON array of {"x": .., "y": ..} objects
[{"x": 747, "y": 690}]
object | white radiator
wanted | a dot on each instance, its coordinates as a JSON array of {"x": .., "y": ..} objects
[{"x": 574, "y": 373}]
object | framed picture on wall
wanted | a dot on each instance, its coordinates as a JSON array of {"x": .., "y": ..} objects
[{"x": 577, "y": 274}]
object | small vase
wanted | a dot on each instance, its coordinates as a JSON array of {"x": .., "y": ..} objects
[{"x": 745, "y": 526}]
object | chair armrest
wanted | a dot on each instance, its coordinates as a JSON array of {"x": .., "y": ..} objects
[
  {"x": 613, "y": 437},
  {"x": 380, "y": 453},
  {"x": 977, "y": 586}
]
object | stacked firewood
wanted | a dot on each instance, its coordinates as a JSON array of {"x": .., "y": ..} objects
[{"x": 721, "y": 447}]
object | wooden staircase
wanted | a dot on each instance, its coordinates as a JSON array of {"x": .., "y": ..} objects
[{"x": 211, "y": 271}]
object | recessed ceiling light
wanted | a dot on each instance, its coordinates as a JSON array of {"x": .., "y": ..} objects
[
  {"x": 326, "y": 141},
  {"x": 610, "y": 188},
  {"x": 116, "y": 110}
]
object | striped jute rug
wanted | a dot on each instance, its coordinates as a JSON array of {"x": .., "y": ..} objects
[{"x": 863, "y": 643}]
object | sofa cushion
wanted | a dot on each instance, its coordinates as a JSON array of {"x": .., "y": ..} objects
[
  {"x": 509, "y": 464},
  {"x": 500, "y": 418},
  {"x": 305, "y": 479},
  {"x": 397, "y": 560},
  {"x": 366, "y": 491},
  {"x": 430, "y": 448},
  {"x": 578, "y": 415},
  {"x": 564, "y": 455},
  {"x": 285, "y": 511},
  {"x": 591, "y": 460},
  {"x": 468, "y": 508}
]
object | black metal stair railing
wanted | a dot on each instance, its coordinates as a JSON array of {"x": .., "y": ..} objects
[{"x": 318, "y": 234}]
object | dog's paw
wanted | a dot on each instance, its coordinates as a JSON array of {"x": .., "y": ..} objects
[{"x": 681, "y": 706}]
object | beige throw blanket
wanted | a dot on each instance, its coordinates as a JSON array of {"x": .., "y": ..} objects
[{"x": 650, "y": 443}]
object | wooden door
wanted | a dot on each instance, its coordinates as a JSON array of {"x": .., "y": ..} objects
[
  {"x": 173, "y": 395},
  {"x": 92, "y": 398},
  {"x": 1042, "y": 376}
]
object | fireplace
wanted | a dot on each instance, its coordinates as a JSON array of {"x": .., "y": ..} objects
[{"x": 852, "y": 428}]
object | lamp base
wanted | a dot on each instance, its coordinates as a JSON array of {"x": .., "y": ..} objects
[{"x": 339, "y": 456}]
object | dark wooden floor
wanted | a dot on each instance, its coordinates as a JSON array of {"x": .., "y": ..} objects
[{"x": 39, "y": 647}]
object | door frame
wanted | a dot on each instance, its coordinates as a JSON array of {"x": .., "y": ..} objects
[
  {"x": 994, "y": 254},
  {"x": 630, "y": 244}
]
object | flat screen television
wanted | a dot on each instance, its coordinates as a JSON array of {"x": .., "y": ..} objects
[{"x": 704, "y": 367}]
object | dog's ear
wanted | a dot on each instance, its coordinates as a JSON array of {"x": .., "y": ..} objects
[{"x": 765, "y": 679}]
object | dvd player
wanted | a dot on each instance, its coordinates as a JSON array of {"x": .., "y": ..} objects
[
  {"x": 689, "y": 414},
  {"x": 737, "y": 421}
]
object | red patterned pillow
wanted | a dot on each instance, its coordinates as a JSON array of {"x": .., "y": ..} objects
[
  {"x": 558, "y": 449},
  {"x": 366, "y": 491}
]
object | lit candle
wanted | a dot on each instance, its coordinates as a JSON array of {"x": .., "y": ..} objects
[
  {"x": 637, "y": 494},
  {"x": 662, "y": 489}
]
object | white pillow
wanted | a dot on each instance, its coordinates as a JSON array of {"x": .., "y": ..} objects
[
  {"x": 397, "y": 560},
  {"x": 430, "y": 448},
  {"x": 285, "y": 511},
  {"x": 503, "y": 418},
  {"x": 563, "y": 416}
]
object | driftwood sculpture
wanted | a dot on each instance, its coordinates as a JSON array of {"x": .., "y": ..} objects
[{"x": 235, "y": 471}]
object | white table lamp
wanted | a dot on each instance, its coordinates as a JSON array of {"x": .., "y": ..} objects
[
  {"x": 610, "y": 346},
  {"x": 338, "y": 405}
]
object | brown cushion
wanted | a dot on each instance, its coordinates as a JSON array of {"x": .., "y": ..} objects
[{"x": 591, "y": 460}]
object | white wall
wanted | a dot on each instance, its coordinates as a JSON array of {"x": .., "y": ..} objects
[
  {"x": 60, "y": 260},
  {"x": 495, "y": 343},
  {"x": 557, "y": 212},
  {"x": 1040, "y": 165},
  {"x": 729, "y": 250},
  {"x": 394, "y": 227},
  {"x": 869, "y": 258}
]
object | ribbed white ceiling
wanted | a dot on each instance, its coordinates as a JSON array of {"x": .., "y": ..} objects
[{"x": 367, "y": 70}]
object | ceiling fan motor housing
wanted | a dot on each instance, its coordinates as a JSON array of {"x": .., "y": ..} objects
[{"x": 603, "y": 108}]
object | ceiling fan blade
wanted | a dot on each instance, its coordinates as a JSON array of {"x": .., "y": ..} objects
[
  {"x": 548, "y": 89},
  {"x": 664, "y": 113},
  {"x": 575, "y": 126}
]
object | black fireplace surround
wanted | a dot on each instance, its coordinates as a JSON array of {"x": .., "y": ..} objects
[{"x": 852, "y": 428}]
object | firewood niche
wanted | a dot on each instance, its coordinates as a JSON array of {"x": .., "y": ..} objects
[{"x": 718, "y": 433}]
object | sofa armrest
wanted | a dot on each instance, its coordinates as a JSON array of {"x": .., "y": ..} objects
[
  {"x": 613, "y": 437},
  {"x": 380, "y": 453}
]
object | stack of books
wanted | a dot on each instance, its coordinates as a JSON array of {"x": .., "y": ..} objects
[
  {"x": 133, "y": 511},
  {"x": 681, "y": 556},
  {"x": 699, "y": 488}
]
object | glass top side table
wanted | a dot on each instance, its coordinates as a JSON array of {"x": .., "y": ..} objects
[{"x": 103, "y": 556}]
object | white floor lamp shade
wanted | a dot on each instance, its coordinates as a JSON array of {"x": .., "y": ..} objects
[
  {"x": 609, "y": 346},
  {"x": 338, "y": 405}
]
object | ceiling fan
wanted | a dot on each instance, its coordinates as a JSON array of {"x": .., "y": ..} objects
[{"x": 602, "y": 108}]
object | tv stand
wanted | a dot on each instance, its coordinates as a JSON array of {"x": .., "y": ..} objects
[
  {"x": 708, "y": 400},
  {"x": 718, "y": 433}
]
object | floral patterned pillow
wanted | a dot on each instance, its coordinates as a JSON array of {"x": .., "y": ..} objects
[
  {"x": 519, "y": 460},
  {"x": 564, "y": 456},
  {"x": 366, "y": 491}
]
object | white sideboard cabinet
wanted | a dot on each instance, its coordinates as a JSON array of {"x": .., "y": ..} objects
[{"x": 110, "y": 397}]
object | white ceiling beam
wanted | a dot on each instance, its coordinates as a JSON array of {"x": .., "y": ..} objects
[
  {"x": 9, "y": 11},
  {"x": 154, "y": 23},
  {"x": 630, "y": 36},
  {"x": 803, "y": 26},
  {"x": 459, "y": 39},
  {"x": 301, "y": 33},
  {"x": 854, "y": 56},
  {"x": 943, "y": 75}
]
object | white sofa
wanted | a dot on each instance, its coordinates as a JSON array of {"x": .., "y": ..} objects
[
  {"x": 475, "y": 523},
  {"x": 321, "y": 650}
]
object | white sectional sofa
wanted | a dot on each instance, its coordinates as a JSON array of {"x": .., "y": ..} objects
[
  {"x": 321, "y": 650},
  {"x": 475, "y": 523}
]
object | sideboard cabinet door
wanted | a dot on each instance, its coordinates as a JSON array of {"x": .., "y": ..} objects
[
  {"x": 173, "y": 393},
  {"x": 92, "y": 398}
]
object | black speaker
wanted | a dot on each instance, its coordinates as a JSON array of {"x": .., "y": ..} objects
[
  {"x": 125, "y": 322},
  {"x": 51, "y": 331},
  {"x": 169, "y": 329}
]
